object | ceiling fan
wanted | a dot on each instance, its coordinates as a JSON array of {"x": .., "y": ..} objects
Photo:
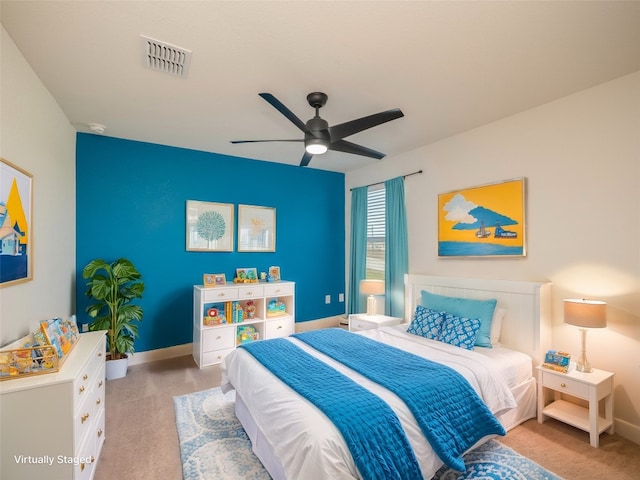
[{"x": 320, "y": 137}]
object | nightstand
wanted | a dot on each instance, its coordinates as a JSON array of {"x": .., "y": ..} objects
[
  {"x": 593, "y": 387},
  {"x": 362, "y": 321}
]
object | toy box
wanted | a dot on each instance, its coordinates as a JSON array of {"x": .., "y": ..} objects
[
  {"x": 276, "y": 308},
  {"x": 247, "y": 334},
  {"x": 217, "y": 313}
]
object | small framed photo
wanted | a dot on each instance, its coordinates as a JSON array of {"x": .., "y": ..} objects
[
  {"x": 214, "y": 279},
  {"x": 274, "y": 273},
  {"x": 246, "y": 275}
]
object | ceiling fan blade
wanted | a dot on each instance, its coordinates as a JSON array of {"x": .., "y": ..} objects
[
  {"x": 306, "y": 158},
  {"x": 338, "y": 132},
  {"x": 278, "y": 105},
  {"x": 349, "y": 147},
  {"x": 260, "y": 141}
]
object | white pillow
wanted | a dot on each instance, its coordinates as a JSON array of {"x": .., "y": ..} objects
[{"x": 496, "y": 325}]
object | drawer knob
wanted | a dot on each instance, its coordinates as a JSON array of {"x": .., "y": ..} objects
[
  {"x": 85, "y": 376},
  {"x": 98, "y": 402},
  {"x": 563, "y": 385},
  {"x": 249, "y": 293},
  {"x": 279, "y": 327},
  {"x": 100, "y": 354},
  {"x": 84, "y": 417},
  {"x": 100, "y": 384},
  {"x": 81, "y": 389},
  {"x": 99, "y": 433},
  {"x": 82, "y": 467},
  {"x": 221, "y": 294}
]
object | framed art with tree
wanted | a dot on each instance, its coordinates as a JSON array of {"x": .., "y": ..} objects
[{"x": 210, "y": 226}]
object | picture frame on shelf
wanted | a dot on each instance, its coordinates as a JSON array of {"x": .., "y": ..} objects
[
  {"x": 483, "y": 221},
  {"x": 246, "y": 275},
  {"x": 256, "y": 229},
  {"x": 16, "y": 204},
  {"x": 209, "y": 226},
  {"x": 274, "y": 273},
  {"x": 214, "y": 279}
]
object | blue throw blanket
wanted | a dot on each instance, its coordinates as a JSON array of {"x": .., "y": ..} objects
[
  {"x": 450, "y": 413},
  {"x": 370, "y": 428}
]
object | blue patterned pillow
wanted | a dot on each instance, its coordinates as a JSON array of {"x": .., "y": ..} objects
[
  {"x": 426, "y": 323},
  {"x": 459, "y": 331}
]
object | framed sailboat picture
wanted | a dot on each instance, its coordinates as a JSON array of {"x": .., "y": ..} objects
[{"x": 483, "y": 221}]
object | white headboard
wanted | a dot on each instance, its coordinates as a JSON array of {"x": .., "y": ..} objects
[{"x": 527, "y": 323}]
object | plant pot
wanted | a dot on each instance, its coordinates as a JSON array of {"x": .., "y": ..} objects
[{"x": 116, "y": 368}]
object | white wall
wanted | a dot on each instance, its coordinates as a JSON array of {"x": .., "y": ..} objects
[
  {"x": 36, "y": 136},
  {"x": 581, "y": 158}
]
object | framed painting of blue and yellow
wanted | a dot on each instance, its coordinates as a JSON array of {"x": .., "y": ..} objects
[
  {"x": 483, "y": 221},
  {"x": 16, "y": 233}
]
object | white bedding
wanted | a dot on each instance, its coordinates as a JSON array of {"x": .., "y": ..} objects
[{"x": 306, "y": 443}]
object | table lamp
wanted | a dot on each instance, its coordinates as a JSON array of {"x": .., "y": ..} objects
[
  {"x": 585, "y": 314},
  {"x": 371, "y": 288}
]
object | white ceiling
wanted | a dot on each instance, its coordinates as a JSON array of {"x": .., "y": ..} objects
[{"x": 449, "y": 65}]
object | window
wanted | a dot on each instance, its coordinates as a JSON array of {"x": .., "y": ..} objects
[{"x": 376, "y": 240}]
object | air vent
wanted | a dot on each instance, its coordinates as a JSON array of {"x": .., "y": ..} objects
[{"x": 165, "y": 57}]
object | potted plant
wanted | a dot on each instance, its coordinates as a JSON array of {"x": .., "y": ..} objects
[{"x": 113, "y": 286}]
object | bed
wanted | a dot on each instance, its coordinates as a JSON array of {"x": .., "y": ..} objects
[{"x": 293, "y": 438}]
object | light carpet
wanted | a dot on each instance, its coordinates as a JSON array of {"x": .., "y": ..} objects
[{"x": 213, "y": 445}]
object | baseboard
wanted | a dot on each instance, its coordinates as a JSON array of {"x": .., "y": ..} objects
[
  {"x": 627, "y": 430},
  {"x": 187, "y": 348},
  {"x": 327, "y": 322},
  {"x": 161, "y": 354}
]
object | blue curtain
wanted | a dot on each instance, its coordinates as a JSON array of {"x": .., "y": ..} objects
[
  {"x": 358, "y": 255},
  {"x": 397, "y": 247}
]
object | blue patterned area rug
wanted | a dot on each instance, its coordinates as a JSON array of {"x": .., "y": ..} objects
[{"x": 213, "y": 445}]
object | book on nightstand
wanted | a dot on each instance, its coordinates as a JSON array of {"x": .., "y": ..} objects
[{"x": 558, "y": 361}]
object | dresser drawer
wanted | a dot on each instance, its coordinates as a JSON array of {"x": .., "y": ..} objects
[
  {"x": 252, "y": 292},
  {"x": 215, "y": 357},
  {"x": 219, "y": 294},
  {"x": 565, "y": 385},
  {"x": 92, "y": 373},
  {"x": 281, "y": 327},
  {"x": 85, "y": 418},
  {"x": 218, "y": 338},
  {"x": 359, "y": 325},
  {"x": 276, "y": 290}
]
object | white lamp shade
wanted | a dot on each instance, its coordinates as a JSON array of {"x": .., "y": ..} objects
[
  {"x": 585, "y": 313},
  {"x": 372, "y": 287}
]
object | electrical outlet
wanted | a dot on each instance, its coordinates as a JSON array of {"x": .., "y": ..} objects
[
  {"x": 85, "y": 327},
  {"x": 327, "y": 299},
  {"x": 341, "y": 297}
]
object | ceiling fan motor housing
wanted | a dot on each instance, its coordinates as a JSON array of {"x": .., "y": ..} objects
[{"x": 317, "y": 99}]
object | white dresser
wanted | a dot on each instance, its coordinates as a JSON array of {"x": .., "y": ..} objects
[
  {"x": 211, "y": 343},
  {"x": 52, "y": 425}
]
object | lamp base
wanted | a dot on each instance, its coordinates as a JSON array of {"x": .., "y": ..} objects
[
  {"x": 371, "y": 305},
  {"x": 583, "y": 365}
]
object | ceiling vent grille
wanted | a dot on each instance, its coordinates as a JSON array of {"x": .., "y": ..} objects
[{"x": 165, "y": 57}]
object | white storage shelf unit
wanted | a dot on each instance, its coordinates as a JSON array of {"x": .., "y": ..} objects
[{"x": 211, "y": 343}]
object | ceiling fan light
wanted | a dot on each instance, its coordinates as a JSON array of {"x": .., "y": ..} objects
[{"x": 316, "y": 148}]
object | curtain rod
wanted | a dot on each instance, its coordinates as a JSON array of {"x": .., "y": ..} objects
[{"x": 378, "y": 183}]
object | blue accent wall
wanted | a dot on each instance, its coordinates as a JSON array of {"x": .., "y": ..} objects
[{"x": 131, "y": 202}]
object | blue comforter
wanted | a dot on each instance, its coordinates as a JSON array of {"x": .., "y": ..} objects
[
  {"x": 370, "y": 428},
  {"x": 450, "y": 413}
]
